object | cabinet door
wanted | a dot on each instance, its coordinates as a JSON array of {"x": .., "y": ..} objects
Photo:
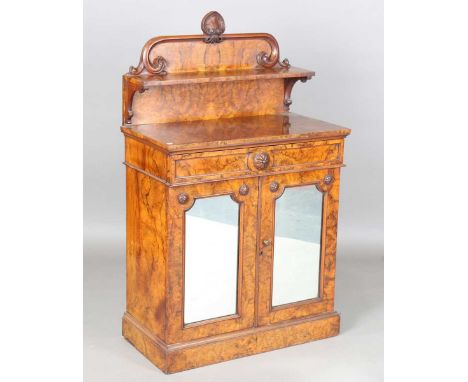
[
  {"x": 211, "y": 262},
  {"x": 297, "y": 244}
]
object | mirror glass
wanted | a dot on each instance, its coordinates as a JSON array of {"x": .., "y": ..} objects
[
  {"x": 296, "y": 258},
  {"x": 211, "y": 258}
]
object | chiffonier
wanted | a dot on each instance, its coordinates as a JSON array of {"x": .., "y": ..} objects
[{"x": 232, "y": 201}]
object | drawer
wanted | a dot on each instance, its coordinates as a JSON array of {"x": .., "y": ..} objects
[{"x": 254, "y": 161}]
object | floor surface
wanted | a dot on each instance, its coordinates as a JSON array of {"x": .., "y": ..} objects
[{"x": 355, "y": 355}]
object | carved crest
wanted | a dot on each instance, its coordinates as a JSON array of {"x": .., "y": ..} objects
[{"x": 213, "y": 26}]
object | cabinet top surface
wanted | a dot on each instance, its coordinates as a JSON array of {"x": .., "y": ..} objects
[{"x": 234, "y": 132}]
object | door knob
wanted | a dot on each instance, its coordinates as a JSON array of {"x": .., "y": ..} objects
[{"x": 266, "y": 242}]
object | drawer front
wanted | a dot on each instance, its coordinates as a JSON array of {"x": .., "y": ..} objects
[
  {"x": 306, "y": 155},
  {"x": 213, "y": 164},
  {"x": 195, "y": 167}
]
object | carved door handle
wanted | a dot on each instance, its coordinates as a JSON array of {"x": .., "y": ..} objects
[{"x": 265, "y": 243}]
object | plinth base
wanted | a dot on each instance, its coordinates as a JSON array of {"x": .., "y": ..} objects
[{"x": 206, "y": 351}]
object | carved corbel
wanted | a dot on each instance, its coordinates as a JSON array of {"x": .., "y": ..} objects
[
  {"x": 288, "y": 85},
  {"x": 129, "y": 88}
]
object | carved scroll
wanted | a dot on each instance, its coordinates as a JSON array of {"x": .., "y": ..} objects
[{"x": 213, "y": 27}]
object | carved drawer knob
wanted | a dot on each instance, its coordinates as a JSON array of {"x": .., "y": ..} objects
[
  {"x": 261, "y": 161},
  {"x": 274, "y": 186},
  {"x": 328, "y": 179},
  {"x": 244, "y": 189},
  {"x": 183, "y": 198}
]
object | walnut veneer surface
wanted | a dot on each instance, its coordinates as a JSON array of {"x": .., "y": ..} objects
[
  {"x": 241, "y": 131},
  {"x": 220, "y": 76},
  {"x": 208, "y": 115}
]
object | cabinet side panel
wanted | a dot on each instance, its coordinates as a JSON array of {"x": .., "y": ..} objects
[
  {"x": 208, "y": 101},
  {"x": 146, "y": 158},
  {"x": 146, "y": 251}
]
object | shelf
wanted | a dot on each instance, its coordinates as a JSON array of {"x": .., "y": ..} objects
[
  {"x": 234, "y": 132},
  {"x": 219, "y": 76}
]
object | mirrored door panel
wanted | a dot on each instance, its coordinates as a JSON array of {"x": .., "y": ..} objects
[
  {"x": 212, "y": 254},
  {"x": 297, "y": 245},
  {"x": 298, "y": 214},
  {"x": 211, "y": 258}
]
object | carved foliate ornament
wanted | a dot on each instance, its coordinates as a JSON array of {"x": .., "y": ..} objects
[
  {"x": 261, "y": 161},
  {"x": 213, "y": 26}
]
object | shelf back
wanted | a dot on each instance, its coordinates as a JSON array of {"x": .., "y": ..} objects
[{"x": 211, "y": 52}]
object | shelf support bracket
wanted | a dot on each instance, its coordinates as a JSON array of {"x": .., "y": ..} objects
[{"x": 288, "y": 85}]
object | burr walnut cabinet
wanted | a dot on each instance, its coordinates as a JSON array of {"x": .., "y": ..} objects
[{"x": 232, "y": 202}]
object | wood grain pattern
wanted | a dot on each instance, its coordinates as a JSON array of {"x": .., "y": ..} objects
[
  {"x": 224, "y": 347},
  {"x": 204, "y": 116},
  {"x": 147, "y": 158},
  {"x": 230, "y": 164},
  {"x": 146, "y": 251},
  {"x": 291, "y": 156},
  {"x": 136, "y": 84},
  {"x": 201, "y": 77},
  {"x": 211, "y": 51},
  {"x": 208, "y": 101},
  {"x": 193, "y": 55},
  {"x": 179, "y": 60},
  {"x": 205, "y": 135},
  {"x": 132, "y": 84}
]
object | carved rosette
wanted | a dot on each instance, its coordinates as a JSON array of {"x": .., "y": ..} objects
[
  {"x": 244, "y": 189},
  {"x": 274, "y": 186},
  {"x": 328, "y": 179},
  {"x": 183, "y": 198},
  {"x": 261, "y": 161},
  {"x": 213, "y": 27}
]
